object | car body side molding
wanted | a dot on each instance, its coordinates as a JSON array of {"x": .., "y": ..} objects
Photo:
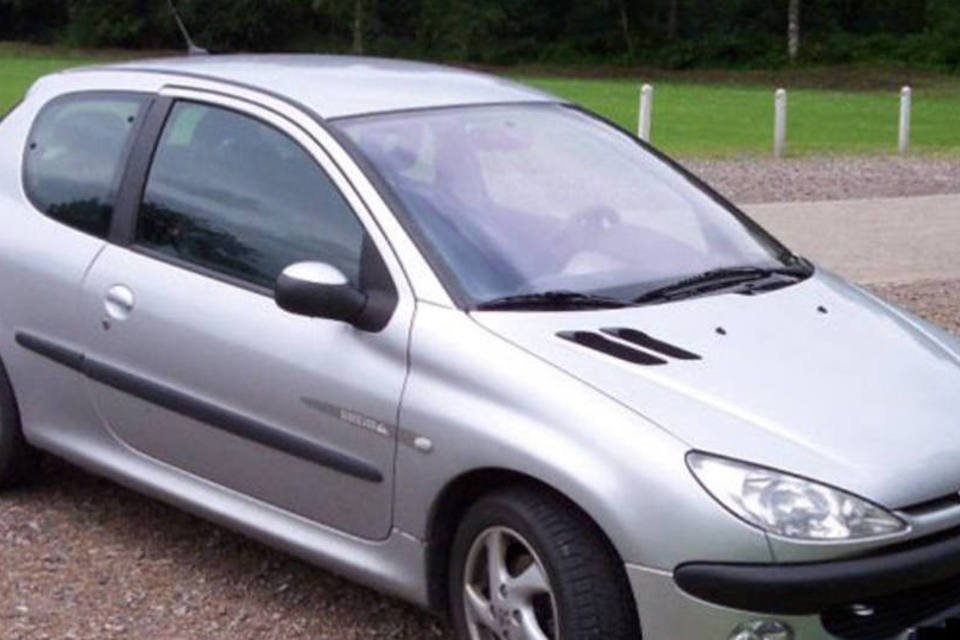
[
  {"x": 201, "y": 410},
  {"x": 52, "y": 351}
]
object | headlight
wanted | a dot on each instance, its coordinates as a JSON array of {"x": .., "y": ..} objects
[{"x": 788, "y": 506}]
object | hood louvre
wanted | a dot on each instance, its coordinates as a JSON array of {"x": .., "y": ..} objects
[
  {"x": 649, "y": 342},
  {"x": 606, "y": 346}
]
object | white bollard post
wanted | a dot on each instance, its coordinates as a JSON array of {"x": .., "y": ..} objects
[
  {"x": 780, "y": 123},
  {"x": 646, "y": 112},
  {"x": 906, "y": 106}
]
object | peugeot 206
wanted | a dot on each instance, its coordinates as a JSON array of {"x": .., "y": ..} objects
[{"x": 471, "y": 345}]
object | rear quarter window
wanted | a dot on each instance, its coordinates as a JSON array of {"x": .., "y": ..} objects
[{"x": 75, "y": 157}]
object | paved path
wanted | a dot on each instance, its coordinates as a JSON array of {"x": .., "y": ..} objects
[{"x": 872, "y": 241}]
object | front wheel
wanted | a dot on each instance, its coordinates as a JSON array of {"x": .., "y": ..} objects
[{"x": 527, "y": 565}]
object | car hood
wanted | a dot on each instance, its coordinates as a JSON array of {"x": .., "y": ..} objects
[{"x": 819, "y": 379}]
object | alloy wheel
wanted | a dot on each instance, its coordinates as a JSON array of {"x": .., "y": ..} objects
[{"x": 506, "y": 592}]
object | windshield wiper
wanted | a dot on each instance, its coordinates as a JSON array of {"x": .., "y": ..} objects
[
  {"x": 719, "y": 279},
  {"x": 552, "y": 300}
]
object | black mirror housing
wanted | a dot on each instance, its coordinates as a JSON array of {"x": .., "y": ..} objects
[{"x": 319, "y": 290}]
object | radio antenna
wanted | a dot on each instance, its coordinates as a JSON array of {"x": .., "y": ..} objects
[{"x": 192, "y": 48}]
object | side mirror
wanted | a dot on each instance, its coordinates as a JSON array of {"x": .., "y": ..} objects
[{"x": 319, "y": 290}]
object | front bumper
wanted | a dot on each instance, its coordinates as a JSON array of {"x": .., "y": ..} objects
[
  {"x": 667, "y": 613},
  {"x": 884, "y": 595}
]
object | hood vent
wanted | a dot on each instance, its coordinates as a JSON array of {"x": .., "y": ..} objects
[
  {"x": 622, "y": 351},
  {"x": 597, "y": 342},
  {"x": 648, "y": 342}
]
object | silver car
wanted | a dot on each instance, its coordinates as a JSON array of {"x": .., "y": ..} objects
[{"x": 468, "y": 344}]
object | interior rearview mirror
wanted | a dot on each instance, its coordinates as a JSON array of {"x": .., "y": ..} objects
[{"x": 319, "y": 290}]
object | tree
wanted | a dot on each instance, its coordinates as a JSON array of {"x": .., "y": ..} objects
[
  {"x": 672, "y": 33},
  {"x": 673, "y": 19},
  {"x": 625, "y": 28},
  {"x": 359, "y": 27},
  {"x": 793, "y": 30},
  {"x": 357, "y": 11}
]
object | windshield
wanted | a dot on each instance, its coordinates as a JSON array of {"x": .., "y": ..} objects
[{"x": 515, "y": 200}]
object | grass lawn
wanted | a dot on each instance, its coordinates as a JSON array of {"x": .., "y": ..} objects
[
  {"x": 18, "y": 70},
  {"x": 722, "y": 120},
  {"x": 720, "y": 115}
]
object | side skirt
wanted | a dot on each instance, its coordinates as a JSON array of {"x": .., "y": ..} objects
[{"x": 395, "y": 566}]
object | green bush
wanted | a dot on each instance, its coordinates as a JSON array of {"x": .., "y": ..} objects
[{"x": 105, "y": 24}]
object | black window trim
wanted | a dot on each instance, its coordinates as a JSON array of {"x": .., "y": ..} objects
[
  {"x": 325, "y": 124},
  {"x": 124, "y": 226},
  {"x": 376, "y": 279},
  {"x": 130, "y": 144}
]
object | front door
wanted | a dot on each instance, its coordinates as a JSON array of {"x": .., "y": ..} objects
[{"x": 191, "y": 361}]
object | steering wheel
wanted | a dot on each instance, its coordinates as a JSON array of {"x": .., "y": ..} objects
[
  {"x": 591, "y": 223},
  {"x": 584, "y": 228}
]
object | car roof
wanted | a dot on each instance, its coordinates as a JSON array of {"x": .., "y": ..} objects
[{"x": 342, "y": 86}]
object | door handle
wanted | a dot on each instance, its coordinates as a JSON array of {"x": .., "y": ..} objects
[{"x": 119, "y": 302}]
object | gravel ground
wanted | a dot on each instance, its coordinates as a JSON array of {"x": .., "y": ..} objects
[
  {"x": 751, "y": 181},
  {"x": 933, "y": 300},
  {"x": 83, "y": 558}
]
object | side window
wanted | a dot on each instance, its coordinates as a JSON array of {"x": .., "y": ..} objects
[
  {"x": 229, "y": 193},
  {"x": 75, "y": 156}
]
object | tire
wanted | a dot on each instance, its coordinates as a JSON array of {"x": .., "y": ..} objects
[
  {"x": 545, "y": 541},
  {"x": 17, "y": 458}
]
